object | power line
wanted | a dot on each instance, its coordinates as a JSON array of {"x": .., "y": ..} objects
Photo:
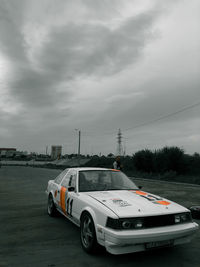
[
  {"x": 90, "y": 134},
  {"x": 148, "y": 122},
  {"x": 163, "y": 117}
]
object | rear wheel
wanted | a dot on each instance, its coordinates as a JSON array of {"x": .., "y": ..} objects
[
  {"x": 88, "y": 234},
  {"x": 51, "y": 209}
]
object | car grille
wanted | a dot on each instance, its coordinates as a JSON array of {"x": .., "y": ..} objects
[
  {"x": 148, "y": 222},
  {"x": 155, "y": 221}
]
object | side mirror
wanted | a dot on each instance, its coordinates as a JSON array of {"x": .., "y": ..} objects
[
  {"x": 71, "y": 188},
  {"x": 195, "y": 212}
]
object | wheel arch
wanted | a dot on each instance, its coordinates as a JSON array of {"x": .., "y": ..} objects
[
  {"x": 51, "y": 208},
  {"x": 92, "y": 214},
  {"x": 51, "y": 193}
]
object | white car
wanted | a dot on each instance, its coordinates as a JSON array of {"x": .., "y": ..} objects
[{"x": 113, "y": 212}]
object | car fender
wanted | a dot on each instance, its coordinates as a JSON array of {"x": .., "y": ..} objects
[
  {"x": 100, "y": 235},
  {"x": 92, "y": 213}
]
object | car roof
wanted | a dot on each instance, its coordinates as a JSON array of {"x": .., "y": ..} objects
[{"x": 90, "y": 169}]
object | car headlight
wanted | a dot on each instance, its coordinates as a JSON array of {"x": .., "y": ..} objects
[
  {"x": 113, "y": 223},
  {"x": 138, "y": 224},
  {"x": 125, "y": 224},
  {"x": 182, "y": 217},
  {"x": 177, "y": 218},
  {"x": 132, "y": 223}
]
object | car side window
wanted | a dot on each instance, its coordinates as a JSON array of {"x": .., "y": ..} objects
[
  {"x": 72, "y": 179},
  {"x": 60, "y": 176},
  {"x": 66, "y": 180}
]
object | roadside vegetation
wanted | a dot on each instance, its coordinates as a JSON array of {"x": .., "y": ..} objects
[{"x": 168, "y": 163}]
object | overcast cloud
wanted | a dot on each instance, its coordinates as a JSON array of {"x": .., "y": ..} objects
[{"x": 99, "y": 66}]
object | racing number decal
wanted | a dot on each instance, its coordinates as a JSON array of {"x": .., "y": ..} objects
[
  {"x": 66, "y": 206},
  {"x": 69, "y": 206}
]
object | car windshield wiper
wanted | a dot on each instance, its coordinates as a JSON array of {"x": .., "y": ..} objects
[{"x": 133, "y": 189}]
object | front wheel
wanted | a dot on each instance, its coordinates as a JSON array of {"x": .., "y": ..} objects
[
  {"x": 88, "y": 234},
  {"x": 51, "y": 209}
]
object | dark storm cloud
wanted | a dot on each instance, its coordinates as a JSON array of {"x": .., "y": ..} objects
[
  {"x": 12, "y": 40},
  {"x": 86, "y": 49},
  {"x": 26, "y": 85},
  {"x": 34, "y": 88},
  {"x": 70, "y": 51}
]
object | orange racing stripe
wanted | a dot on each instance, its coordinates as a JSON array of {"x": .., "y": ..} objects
[
  {"x": 62, "y": 199},
  {"x": 141, "y": 193},
  {"x": 163, "y": 202}
]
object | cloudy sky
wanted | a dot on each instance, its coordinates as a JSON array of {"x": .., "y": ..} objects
[{"x": 97, "y": 66}]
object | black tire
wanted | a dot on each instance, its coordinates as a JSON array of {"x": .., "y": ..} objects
[
  {"x": 51, "y": 209},
  {"x": 88, "y": 233}
]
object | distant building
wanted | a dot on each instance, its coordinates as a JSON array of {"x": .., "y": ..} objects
[
  {"x": 56, "y": 152},
  {"x": 21, "y": 154},
  {"x": 7, "y": 152}
]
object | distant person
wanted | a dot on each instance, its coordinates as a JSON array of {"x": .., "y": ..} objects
[{"x": 117, "y": 164}]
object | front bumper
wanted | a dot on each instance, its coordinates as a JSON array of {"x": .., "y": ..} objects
[{"x": 120, "y": 242}]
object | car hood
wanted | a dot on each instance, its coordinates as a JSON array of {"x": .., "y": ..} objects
[{"x": 126, "y": 203}]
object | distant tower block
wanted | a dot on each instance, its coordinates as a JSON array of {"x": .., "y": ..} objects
[
  {"x": 119, "y": 143},
  {"x": 56, "y": 152}
]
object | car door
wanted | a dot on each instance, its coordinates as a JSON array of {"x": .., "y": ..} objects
[
  {"x": 56, "y": 187},
  {"x": 71, "y": 193},
  {"x": 69, "y": 196},
  {"x": 62, "y": 192}
]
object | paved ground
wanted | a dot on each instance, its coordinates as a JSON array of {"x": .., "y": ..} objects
[{"x": 29, "y": 237}]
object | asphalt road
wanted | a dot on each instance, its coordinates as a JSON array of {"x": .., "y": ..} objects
[{"x": 29, "y": 237}]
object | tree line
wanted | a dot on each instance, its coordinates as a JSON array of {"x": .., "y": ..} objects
[{"x": 166, "y": 163}]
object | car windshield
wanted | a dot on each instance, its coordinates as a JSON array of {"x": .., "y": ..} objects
[{"x": 103, "y": 180}]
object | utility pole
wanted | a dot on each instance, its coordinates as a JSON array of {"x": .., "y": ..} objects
[
  {"x": 46, "y": 152},
  {"x": 79, "y": 145}
]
